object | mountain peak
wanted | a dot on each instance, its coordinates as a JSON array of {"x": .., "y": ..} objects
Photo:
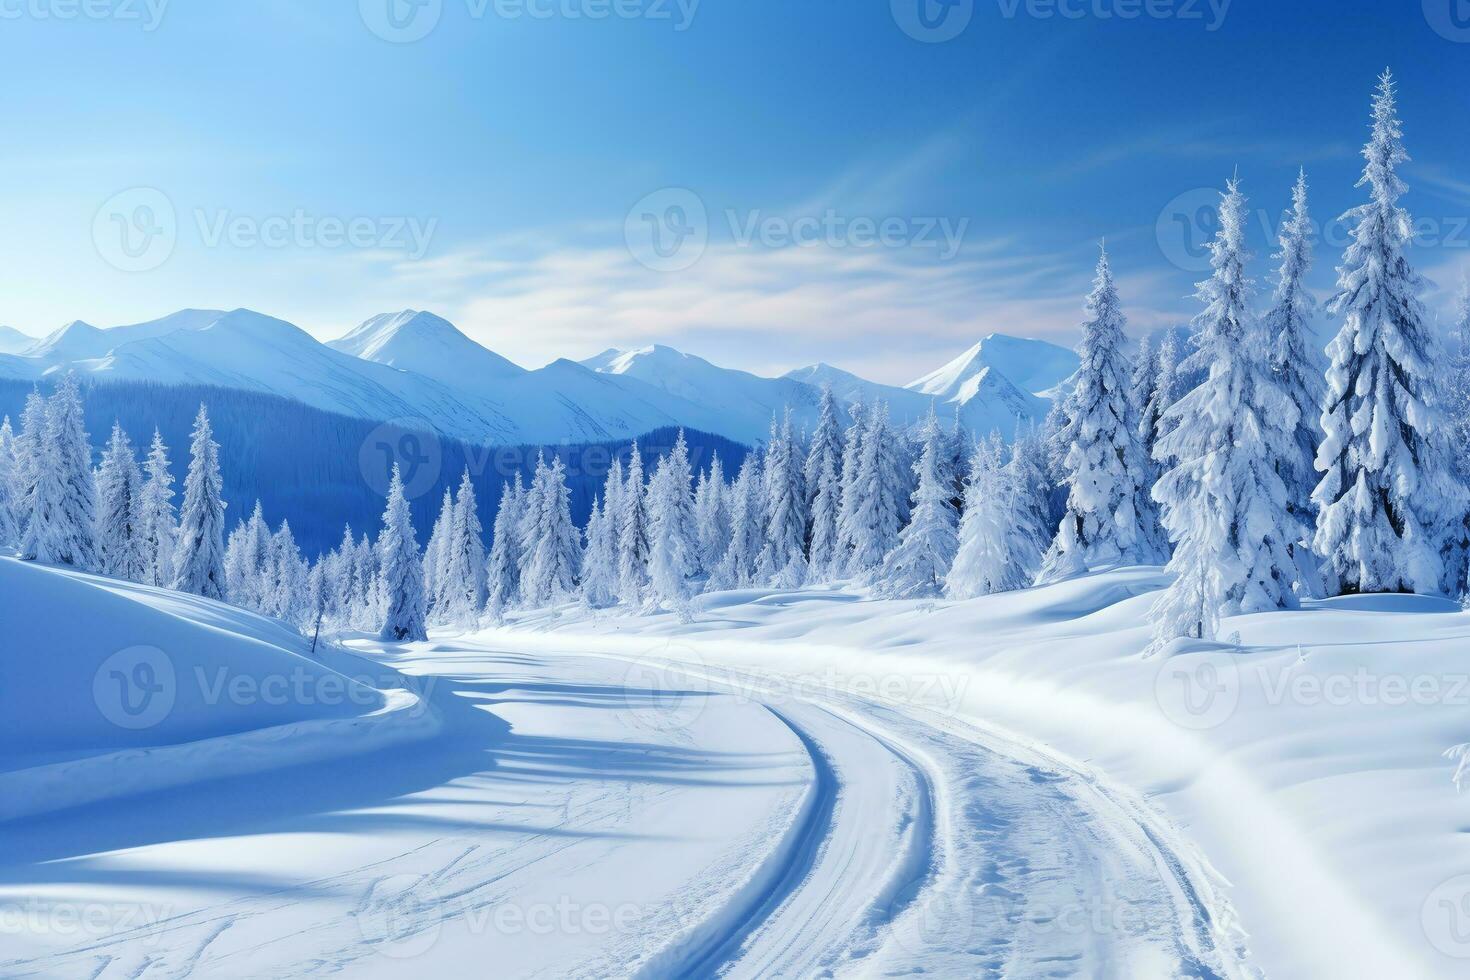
[
  {"x": 427, "y": 344},
  {"x": 1031, "y": 365}
]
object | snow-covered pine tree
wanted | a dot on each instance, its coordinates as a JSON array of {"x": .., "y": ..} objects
[
  {"x": 1225, "y": 504},
  {"x": 599, "y": 560},
  {"x": 502, "y": 571},
  {"x": 1456, "y": 399},
  {"x": 633, "y": 543},
  {"x": 463, "y": 574},
  {"x": 158, "y": 528},
  {"x": 1169, "y": 385},
  {"x": 118, "y": 534},
  {"x": 747, "y": 529},
  {"x": 916, "y": 567},
  {"x": 826, "y": 447},
  {"x": 984, "y": 563},
  {"x": 1388, "y": 493},
  {"x": 1031, "y": 517},
  {"x": 199, "y": 557},
  {"x": 873, "y": 525},
  {"x": 1108, "y": 520},
  {"x": 30, "y": 446},
  {"x": 282, "y": 576},
  {"x": 344, "y": 583},
  {"x": 61, "y": 525},
  {"x": 712, "y": 515},
  {"x": 402, "y": 575},
  {"x": 368, "y": 603},
  {"x": 783, "y": 554},
  {"x": 824, "y": 559},
  {"x": 1145, "y": 370},
  {"x": 1288, "y": 331},
  {"x": 670, "y": 557},
  {"x": 434, "y": 557},
  {"x": 9, "y": 485},
  {"x": 247, "y": 561},
  {"x": 852, "y": 444},
  {"x": 551, "y": 573}
]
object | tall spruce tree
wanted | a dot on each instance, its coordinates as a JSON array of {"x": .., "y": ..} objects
[
  {"x": 402, "y": 572},
  {"x": 9, "y": 487},
  {"x": 462, "y": 586},
  {"x": 158, "y": 525},
  {"x": 1225, "y": 503},
  {"x": 199, "y": 557},
  {"x": 119, "y": 486},
  {"x": 62, "y": 521},
  {"x": 1388, "y": 495},
  {"x": 920, "y": 561},
  {"x": 1108, "y": 521},
  {"x": 502, "y": 573}
]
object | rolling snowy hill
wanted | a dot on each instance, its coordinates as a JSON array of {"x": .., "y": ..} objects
[
  {"x": 12, "y": 341},
  {"x": 417, "y": 369}
]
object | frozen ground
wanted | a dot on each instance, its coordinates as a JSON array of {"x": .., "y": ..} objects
[{"x": 796, "y": 784}]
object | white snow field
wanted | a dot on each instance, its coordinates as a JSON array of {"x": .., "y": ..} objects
[{"x": 805, "y": 783}]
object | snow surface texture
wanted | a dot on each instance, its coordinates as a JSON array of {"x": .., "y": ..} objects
[
  {"x": 418, "y": 369},
  {"x": 794, "y": 784}
]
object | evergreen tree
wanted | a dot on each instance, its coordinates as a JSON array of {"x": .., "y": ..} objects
[
  {"x": 551, "y": 574},
  {"x": 826, "y": 448},
  {"x": 1107, "y": 520},
  {"x": 158, "y": 528},
  {"x": 825, "y": 557},
  {"x": 848, "y": 477},
  {"x": 633, "y": 542},
  {"x": 1289, "y": 334},
  {"x": 434, "y": 557},
  {"x": 671, "y": 556},
  {"x": 62, "y": 523},
  {"x": 599, "y": 560},
  {"x": 1168, "y": 387},
  {"x": 738, "y": 566},
  {"x": 1457, "y": 404},
  {"x": 30, "y": 447},
  {"x": 199, "y": 557},
  {"x": 502, "y": 573},
  {"x": 402, "y": 575},
  {"x": 1388, "y": 495},
  {"x": 985, "y": 562},
  {"x": 282, "y": 577},
  {"x": 1145, "y": 370},
  {"x": 926, "y": 548},
  {"x": 873, "y": 525},
  {"x": 1225, "y": 504},
  {"x": 463, "y": 575},
  {"x": 118, "y": 535},
  {"x": 782, "y": 558},
  {"x": 1031, "y": 517},
  {"x": 712, "y": 516},
  {"x": 9, "y": 487}
]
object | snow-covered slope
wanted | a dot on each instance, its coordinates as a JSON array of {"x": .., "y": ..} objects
[
  {"x": 428, "y": 345},
  {"x": 114, "y": 688},
  {"x": 1034, "y": 366},
  {"x": 12, "y": 341}
]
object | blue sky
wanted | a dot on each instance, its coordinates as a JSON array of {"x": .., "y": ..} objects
[{"x": 509, "y": 168}]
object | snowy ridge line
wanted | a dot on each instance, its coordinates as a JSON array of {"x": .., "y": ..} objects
[
  {"x": 705, "y": 945},
  {"x": 404, "y": 717}
]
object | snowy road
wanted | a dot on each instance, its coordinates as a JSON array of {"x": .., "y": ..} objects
[{"x": 595, "y": 816}]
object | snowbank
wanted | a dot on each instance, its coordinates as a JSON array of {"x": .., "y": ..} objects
[
  {"x": 112, "y": 688},
  {"x": 1306, "y": 762}
]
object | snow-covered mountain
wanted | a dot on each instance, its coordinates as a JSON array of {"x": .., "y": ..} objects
[
  {"x": 418, "y": 369},
  {"x": 12, "y": 341},
  {"x": 1034, "y": 366}
]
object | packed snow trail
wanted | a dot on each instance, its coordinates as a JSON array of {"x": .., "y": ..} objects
[{"x": 588, "y": 815}]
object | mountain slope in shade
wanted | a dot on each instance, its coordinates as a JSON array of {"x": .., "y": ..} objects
[
  {"x": 12, "y": 341},
  {"x": 1030, "y": 365},
  {"x": 428, "y": 345}
]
